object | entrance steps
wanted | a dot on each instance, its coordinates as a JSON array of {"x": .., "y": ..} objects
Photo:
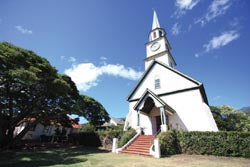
[{"x": 141, "y": 145}]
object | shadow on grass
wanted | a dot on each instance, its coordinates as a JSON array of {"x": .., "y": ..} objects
[{"x": 50, "y": 157}]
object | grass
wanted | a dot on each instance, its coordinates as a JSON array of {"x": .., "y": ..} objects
[{"x": 90, "y": 157}]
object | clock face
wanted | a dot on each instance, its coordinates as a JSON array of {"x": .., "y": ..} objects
[{"x": 155, "y": 46}]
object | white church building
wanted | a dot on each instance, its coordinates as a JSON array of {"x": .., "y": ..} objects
[{"x": 165, "y": 98}]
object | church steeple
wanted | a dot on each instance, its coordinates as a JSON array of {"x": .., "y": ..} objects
[
  {"x": 158, "y": 47},
  {"x": 156, "y": 23}
]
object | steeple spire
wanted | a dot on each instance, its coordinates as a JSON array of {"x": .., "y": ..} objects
[{"x": 156, "y": 23}]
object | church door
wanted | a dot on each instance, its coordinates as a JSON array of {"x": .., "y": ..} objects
[{"x": 158, "y": 123}]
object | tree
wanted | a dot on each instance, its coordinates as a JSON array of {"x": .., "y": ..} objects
[
  {"x": 230, "y": 119},
  {"x": 93, "y": 111},
  {"x": 88, "y": 128},
  {"x": 246, "y": 110},
  {"x": 31, "y": 87}
]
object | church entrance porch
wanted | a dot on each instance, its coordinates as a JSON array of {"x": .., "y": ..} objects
[{"x": 152, "y": 114}]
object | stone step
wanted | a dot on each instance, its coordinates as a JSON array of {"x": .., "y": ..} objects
[
  {"x": 140, "y": 138},
  {"x": 149, "y": 140},
  {"x": 138, "y": 149},
  {"x": 136, "y": 152},
  {"x": 140, "y": 145},
  {"x": 142, "y": 142},
  {"x": 143, "y": 145},
  {"x": 149, "y": 143}
]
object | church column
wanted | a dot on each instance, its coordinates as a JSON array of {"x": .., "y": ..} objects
[
  {"x": 164, "y": 116},
  {"x": 138, "y": 118},
  {"x": 161, "y": 114},
  {"x": 138, "y": 129},
  {"x": 163, "y": 120}
]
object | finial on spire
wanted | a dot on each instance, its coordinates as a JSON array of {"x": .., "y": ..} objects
[{"x": 156, "y": 23}]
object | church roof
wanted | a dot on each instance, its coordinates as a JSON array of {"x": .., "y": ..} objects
[
  {"x": 199, "y": 84},
  {"x": 148, "y": 91},
  {"x": 118, "y": 120}
]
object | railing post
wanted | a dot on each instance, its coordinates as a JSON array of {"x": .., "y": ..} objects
[
  {"x": 157, "y": 148},
  {"x": 115, "y": 145}
]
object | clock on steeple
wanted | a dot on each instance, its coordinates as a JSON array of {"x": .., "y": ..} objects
[{"x": 158, "y": 47}]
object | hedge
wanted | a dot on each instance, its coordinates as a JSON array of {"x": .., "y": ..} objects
[
  {"x": 85, "y": 138},
  {"x": 169, "y": 143},
  {"x": 235, "y": 144}
]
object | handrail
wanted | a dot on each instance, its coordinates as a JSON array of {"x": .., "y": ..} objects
[
  {"x": 159, "y": 131},
  {"x": 128, "y": 143}
]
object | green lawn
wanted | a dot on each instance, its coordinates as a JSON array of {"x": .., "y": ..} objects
[{"x": 90, "y": 157}]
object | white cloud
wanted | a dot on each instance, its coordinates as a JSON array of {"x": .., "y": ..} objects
[
  {"x": 196, "y": 55},
  {"x": 221, "y": 40},
  {"x": 71, "y": 59},
  {"x": 176, "y": 29},
  {"x": 184, "y": 5},
  {"x": 62, "y": 57},
  {"x": 215, "y": 9},
  {"x": 235, "y": 22},
  {"x": 23, "y": 30},
  {"x": 86, "y": 75},
  {"x": 103, "y": 58}
]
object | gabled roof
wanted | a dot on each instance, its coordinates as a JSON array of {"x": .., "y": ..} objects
[
  {"x": 148, "y": 91},
  {"x": 72, "y": 122},
  {"x": 117, "y": 120},
  {"x": 165, "y": 66}
]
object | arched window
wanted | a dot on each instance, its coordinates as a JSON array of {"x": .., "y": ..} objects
[
  {"x": 160, "y": 33},
  {"x": 154, "y": 35},
  {"x": 157, "y": 82}
]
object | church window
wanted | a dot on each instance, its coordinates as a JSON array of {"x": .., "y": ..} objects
[
  {"x": 157, "y": 82},
  {"x": 160, "y": 33},
  {"x": 154, "y": 34}
]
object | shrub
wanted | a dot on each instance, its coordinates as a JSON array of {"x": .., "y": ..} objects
[
  {"x": 45, "y": 138},
  {"x": 126, "y": 136},
  {"x": 85, "y": 138},
  {"x": 88, "y": 128},
  {"x": 169, "y": 143},
  {"x": 221, "y": 143},
  {"x": 216, "y": 143},
  {"x": 106, "y": 136},
  {"x": 114, "y": 132}
]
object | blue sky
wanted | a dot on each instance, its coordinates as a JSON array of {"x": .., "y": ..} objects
[{"x": 101, "y": 43}]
